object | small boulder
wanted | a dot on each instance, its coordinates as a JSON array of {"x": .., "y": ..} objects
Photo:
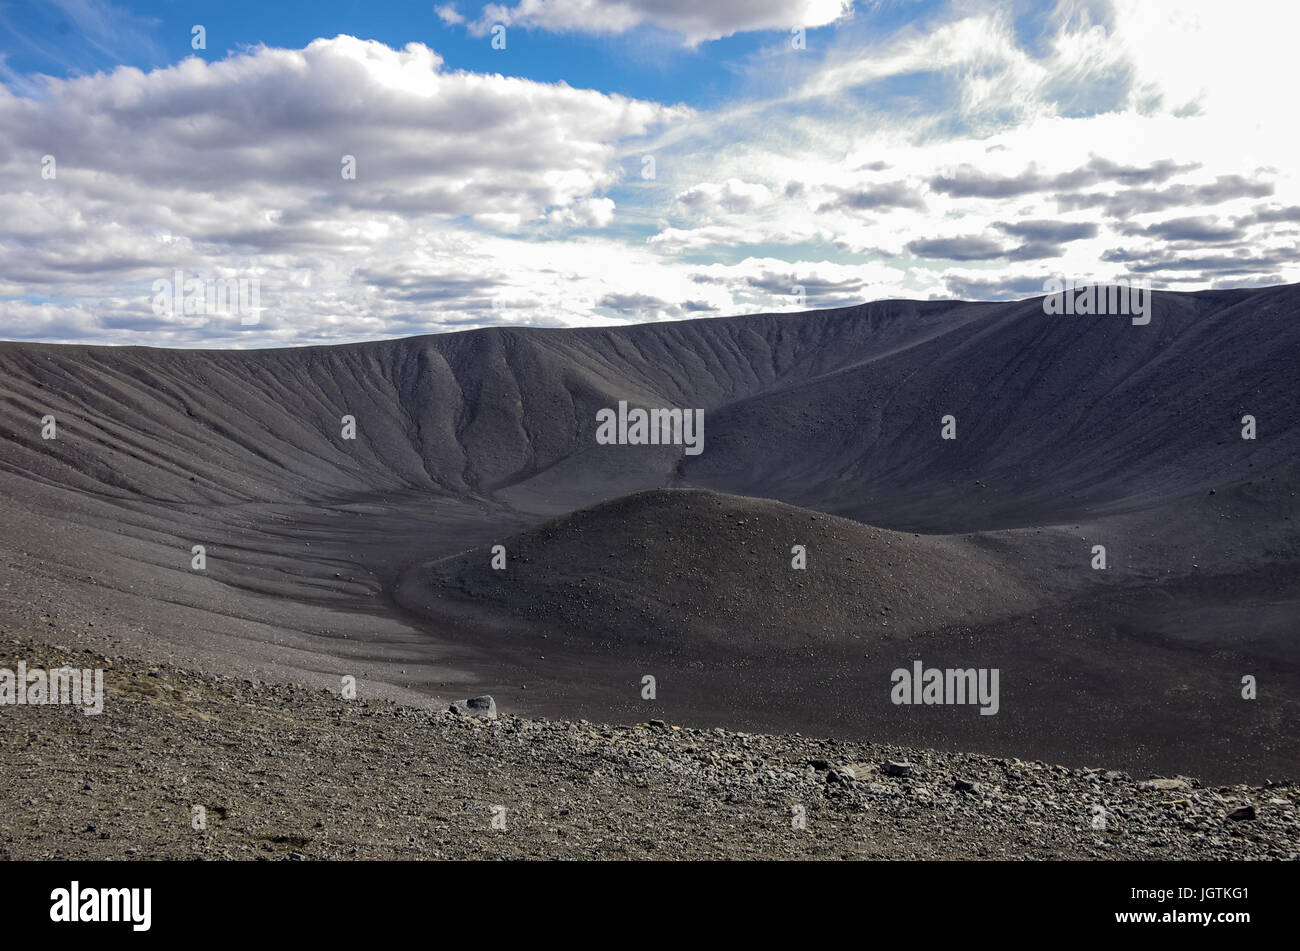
[
  {"x": 861, "y": 771},
  {"x": 839, "y": 776},
  {"x": 475, "y": 707},
  {"x": 1242, "y": 812},
  {"x": 1166, "y": 785},
  {"x": 895, "y": 768}
]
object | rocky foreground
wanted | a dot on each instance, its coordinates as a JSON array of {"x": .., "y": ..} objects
[{"x": 282, "y": 772}]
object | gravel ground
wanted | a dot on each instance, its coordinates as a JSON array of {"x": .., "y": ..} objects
[{"x": 288, "y": 773}]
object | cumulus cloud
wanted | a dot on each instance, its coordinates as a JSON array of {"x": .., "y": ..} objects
[
  {"x": 1267, "y": 215},
  {"x": 584, "y": 213},
  {"x": 955, "y": 151},
  {"x": 647, "y": 307},
  {"x": 1242, "y": 262},
  {"x": 970, "y": 182},
  {"x": 1050, "y": 231},
  {"x": 733, "y": 195},
  {"x": 1202, "y": 229},
  {"x": 1146, "y": 200},
  {"x": 697, "y": 22},
  {"x": 424, "y": 140},
  {"x": 775, "y": 284},
  {"x": 875, "y": 197},
  {"x": 273, "y": 162},
  {"x": 448, "y": 14},
  {"x": 961, "y": 248},
  {"x": 1001, "y": 287}
]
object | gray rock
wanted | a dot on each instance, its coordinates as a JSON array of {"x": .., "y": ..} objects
[
  {"x": 842, "y": 775},
  {"x": 475, "y": 707},
  {"x": 1242, "y": 812},
  {"x": 895, "y": 768},
  {"x": 1166, "y": 785}
]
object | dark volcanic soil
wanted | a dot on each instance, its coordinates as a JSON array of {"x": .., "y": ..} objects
[
  {"x": 330, "y": 557},
  {"x": 284, "y": 772},
  {"x": 696, "y": 589},
  {"x": 674, "y": 568}
]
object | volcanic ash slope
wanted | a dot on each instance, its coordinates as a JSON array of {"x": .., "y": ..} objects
[{"x": 677, "y": 566}]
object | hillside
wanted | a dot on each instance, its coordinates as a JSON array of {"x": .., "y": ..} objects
[
  {"x": 285, "y": 773},
  {"x": 690, "y": 567},
  {"x": 328, "y": 556}
]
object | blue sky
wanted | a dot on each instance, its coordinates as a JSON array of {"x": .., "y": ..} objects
[
  {"x": 68, "y": 37},
  {"x": 622, "y": 160}
]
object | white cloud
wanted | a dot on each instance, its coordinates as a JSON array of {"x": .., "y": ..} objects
[
  {"x": 586, "y": 213},
  {"x": 481, "y": 199},
  {"x": 447, "y": 14},
  {"x": 240, "y": 163},
  {"x": 734, "y": 196},
  {"x": 696, "y": 21}
]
